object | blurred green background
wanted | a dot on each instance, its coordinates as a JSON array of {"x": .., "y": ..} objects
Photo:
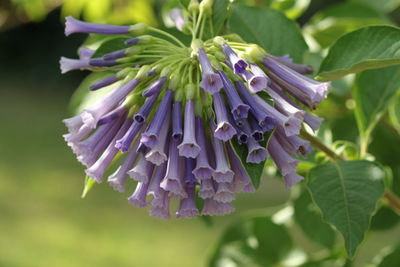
[{"x": 43, "y": 220}]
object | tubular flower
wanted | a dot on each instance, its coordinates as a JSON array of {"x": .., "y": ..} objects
[{"x": 188, "y": 121}]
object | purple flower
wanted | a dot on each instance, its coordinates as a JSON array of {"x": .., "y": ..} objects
[
  {"x": 142, "y": 171},
  {"x": 189, "y": 147},
  {"x": 113, "y": 115},
  {"x": 187, "y": 206},
  {"x": 141, "y": 115},
  {"x": 265, "y": 121},
  {"x": 288, "y": 62},
  {"x": 172, "y": 181},
  {"x": 224, "y": 130},
  {"x": 313, "y": 121},
  {"x": 224, "y": 193},
  {"x": 154, "y": 189},
  {"x": 138, "y": 198},
  {"x": 68, "y": 64},
  {"x": 256, "y": 153},
  {"x": 73, "y": 25},
  {"x": 132, "y": 41},
  {"x": 254, "y": 128},
  {"x": 103, "y": 82},
  {"x": 163, "y": 211},
  {"x": 176, "y": 16},
  {"x": 222, "y": 173},
  {"x": 210, "y": 81},
  {"x": 85, "y": 53},
  {"x": 238, "y": 108},
  {"x": 313, "y": 92},
  {"x": 285, "y": 107},
  {"x": 212, "y": 207},
  {"x": 207, "y": 189},
  {"x": 157, "y": 154},
  {"x": 150, "y": 137},
  {"x": 286, "y": 164},
  {"x": 292, "y": 179},
  {"x": 238, "y": 64},
  {"x": 177, "y": 121},
  {"x": 91, "y": 115},
  {"x": 118, "y": 178},
  {"x": 155, "y": 87},
  {"x": 203, "y": 169},
  {"x": 73, "y": 124},
  {"x": 96, "y": 171},
  {"x": 125, "y": 141}
]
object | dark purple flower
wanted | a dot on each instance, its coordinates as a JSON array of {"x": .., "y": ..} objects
[
  {"x": 254, "y": 128},
  {"x": 104, "y": 82},
  {"x": 210, "y": 81},
  {"x": 238, "y": 108},
  {"x": 177, "y": 121},
  {"x": 132, "y": 41},
  {"x": 141, "y": 115},
  {"x": 238, "y": 64},
  {"x": 125, "y": 141},
  {"x": 224, "y": 130},
  {"x": 150, "y": 137},
  {"x": 155, "y": 87},
  {"x": 73, "y": 25},
  {"x": 189, "y": 147}
]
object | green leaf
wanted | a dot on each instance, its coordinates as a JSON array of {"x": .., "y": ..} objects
[
  {"x": 110, "y": 46},
  {"x": 254, "y": 170},
  {"x": 347, "y": 193},
  {"x": 292, "y": 8},
  {"x": 389, "y": 257},
  {"x": 310, "y": 221},
  {"x": 383, "y": 5},
  {"x": 219, "y": 14},
  {"x": 252, "y": 242},
  {"x": 268, "y": 28},
  {"x": 89, "y": 183},
  {"x": 394, "y": 113},
  {"x": 373, "y": 91},
  {"x": 367, "y": 48},
  {"x": 384, "y": 219},
  {"x": 329, "y": 24}
]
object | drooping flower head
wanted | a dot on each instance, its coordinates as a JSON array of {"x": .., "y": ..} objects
[{"x": 188, "y": 121}]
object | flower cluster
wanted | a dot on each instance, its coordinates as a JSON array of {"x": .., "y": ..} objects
[{"x": 175, "y": 112}]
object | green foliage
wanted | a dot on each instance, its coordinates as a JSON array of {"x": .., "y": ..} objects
[
  {"x": 264, "y": 27},
  {"x": 310, "y": 221},
  {"x": 347, "y": 193},
  {"x": 254, "y": 242},
  {"x": 390, "y": 257},
  {"x": 373, "y": 91},
  {"x": 367, "y": 48},
  {"x": 394, "y": 112}
]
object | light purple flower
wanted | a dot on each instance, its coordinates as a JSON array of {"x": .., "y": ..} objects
[
  {"x": 138, "y": 198},
  {"x": 104, "y": 82},
  {"x": 157, "y": 155},
  {"x": 210, "y": 81},
  {"x": 150, "y": 137},
  {"x": 292, "y": 179},
  {"x": 163, "y": 211},
  {"x": 189, "y": 147},
  {"x": 91, "y": 115},
  {"x": 285, "y": 107},
  {"x": 154, "y": 189},
  {"x": 224, "y": 130},
  {"x": 112, "y": 115},
  {"x": 238, "y": 108},
  {"x": 313, "y": 121},
  {"x": 224, "y": 193},
  {"x": 256, "y": 153},
  {"x": 238, "y": 64},
  {"x": 85, "y": 53},
  {"x": 256, "y": 80},
  {"x": 73, "y": 124},
  {"x": 118, "y": 178},
  {"x": 141, "y": 115},
  {"x": 207, "y": 189},
  {"x": 288, "y": 62},
  {"x": 142, "y": 171},
  {"x": 155, "y": 87},
  {"x": 73, "y": 25},
  {"x": 96, "y": 171},
  {"x": 124, "y": 143},
  {"x": 187, "y": 206},
  {"x": 172, "y": 181},
  {"x": 177, "y": 121},
  {"x": 286, "y": 164},
  {"x": 176, "y": 16},
  {"x": 222, "y": 173},
  {"x": 68, "y": 64},
  {"x": 265, "y": 121},
  {"x": 212, "y": 207},
  {"x": 256, "y": 131}
]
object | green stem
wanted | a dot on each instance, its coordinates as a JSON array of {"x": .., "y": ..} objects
[
  {"x": 393, "y": 201},
  {"x": 167, "y": 35}
]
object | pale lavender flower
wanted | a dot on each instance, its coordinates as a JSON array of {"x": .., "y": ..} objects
[
  {"x": 256, "y": 153},
  {"x": 286, "y": 164},
  {"x": 203, "y": 169},
  {"x": 224, "y": 130},
  {"x": 210, "y": 81},
  {"x": 256, "y": 82},
  {"x": 189, "y": 147},
  {"x": 96, "y": 171},
  {"x": 292, "y": 179},
  {"x": 68, "y": 64},
  {"x": 74, "y": 123},
  {"x": 85, "y": 53},
  {"x": 313, "y": 121},
  {"x": 154, "y": 189},
  {"x": 176, "y": 16},
  {"x": 150, "y": 137},
  {"x": 238, "y": 64},
  {"x": 224, "y": 193},
  {"x": 187, "y": 206},
  {"x": 163, "y": 211},
  {"x": 142, "y": 171},
  {"x": 73, "y": 25},
  {"x": 288, "y": 62},
  {"x": 138, "y": 198},
  {"x": 157, "y": 155},
  {"x": 222, "y": 172},
  {"x": 212, "y": 207},
  {"x": 207, "y": 189}
]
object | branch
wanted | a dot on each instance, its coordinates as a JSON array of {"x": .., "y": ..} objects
[{"x": 392, "y": 199}]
